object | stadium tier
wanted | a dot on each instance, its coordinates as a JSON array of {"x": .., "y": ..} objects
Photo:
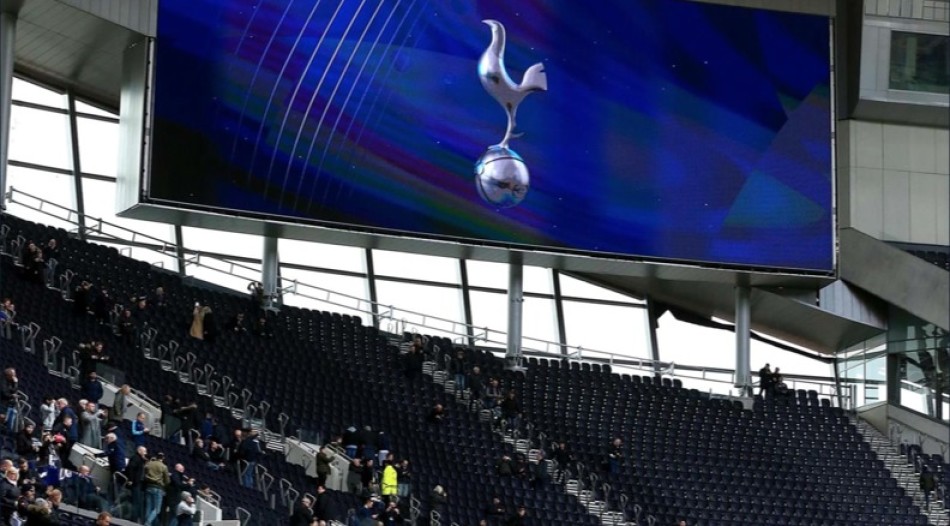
[{"x": 792, "y": 460}]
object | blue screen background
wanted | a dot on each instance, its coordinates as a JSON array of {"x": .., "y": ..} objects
[{"x": 670, "y": 130}]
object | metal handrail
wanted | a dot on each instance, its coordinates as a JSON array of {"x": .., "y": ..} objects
[
  {"x": 395, "y": 315},
  {"x": 388, "y": 312}
]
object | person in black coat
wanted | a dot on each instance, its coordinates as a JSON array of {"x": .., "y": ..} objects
[
  {"x": 303, "y": 514},
  {"x": 92, "y": 388},
  {"x": 135, "y": 475},
  {"x": 26, "y": 447}
]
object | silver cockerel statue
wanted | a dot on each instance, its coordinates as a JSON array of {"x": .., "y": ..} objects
[{"x": 495, "y": 79}]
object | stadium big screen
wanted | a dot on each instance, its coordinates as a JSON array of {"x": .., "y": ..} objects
[{"x": 669, "y": 129}]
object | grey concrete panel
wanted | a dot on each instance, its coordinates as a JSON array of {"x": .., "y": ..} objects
[{"x": 908, "y": 282}]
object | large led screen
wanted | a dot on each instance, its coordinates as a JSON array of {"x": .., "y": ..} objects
[{"x": 659, "y": 129}]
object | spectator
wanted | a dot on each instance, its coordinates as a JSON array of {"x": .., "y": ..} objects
[
  {"x": 104, "y": 519},
  {"x": 519, "y": 518},
  {"x": 389, "y": 487},
  {"x": 179, "y": 485},
  {"x": 927, "y": 484},
  {"x": 185, "y": 510},
  {"x": 48, "y": 412},
  {"x": 90, "y": 355},
  {"x": 778, "y": 383},
  {"x": 89, "y": 495},
  {"x": 765, "y": 381},
  {"x": 25, "y": 443},
  {"x": 135, "y": 476},
  {"x": 128, "y": 327},
  {"x": 303, "y": 513},
  {"x": 41, "y": 512},
  {"x": 354, "y": 477},
  {"x": 9, "y": 395},
  {"x": 615, "y": 457},
  {"x": 82, "y": 298},
  {"x": 102, "y": 306},
  {"x": 210, "y": 326},
  {"x": 539, "y": 471},
  {"x": 158, "y": 299},
  {"x": 511, "y": 411},
  {"x": 493, "y": 394},
  {"x": 156, "y": 478},
  {"x": 217, "y": 455},
  {"x": 92, "y": 388},
  {"x": 382, "y": 446},
  {"x": 505, "y": 467},
  {"x": 199, "y": 453},
  {"x": 458, "y": 368},
  {"x": 404, "y": 477},
  {"x": 262, "y": 328},
  {"x": 324, "y": 459},
  {"x": 476, "y": 385},
  {"x": 366, "y": 514},
  {"x": 412, "y": 363},
  {"x": 9, "y": 493},
  {"x": 496, "y": 510},
  {"x": 28, "y": 476},
  {"x": 392, "y": 515},
  {"x": 237, "y": 324},
  {"x": 141, "y": 313},
  {"x": 438, "y": 499},
  {"x": 120, "y": 403},
  {"x": 114, "y": 453},
  {"x": 197, "y": 330},
  {"x": 255, "y": 290},
  {"x": 351, "y": 440},
  {"x": 251, "y": 452},
  {"x": 51, "y": 250},
  {"x": 564, "y": 458},
  {"x": 368, "y": 476},
  {"x": 139, "y": 429},
  {"x": 437, "y": 414},
  {"x": 91, "y": 426}
]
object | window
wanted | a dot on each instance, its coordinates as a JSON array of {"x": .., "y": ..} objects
[
  {"x": 40, "y": 137},
  {"x": 487, "y": 274},
  {"x": 231, "y": 243},
  {"x": 321, "y": 255},
  {"x": 26, "y": 91},
  {"x": 98, "y": 146},
  {"x": 608, "y": 328},
  {"x": 53, "y": 187},
  {"x": 574, "y": 288},
  {"x": 349, "y": 295},
  {"x": 416, "y": 266},
  {"x": 443, "y": 302},
  {"x": 920, "y": 62}
]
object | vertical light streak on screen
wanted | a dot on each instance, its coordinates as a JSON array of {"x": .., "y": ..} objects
[
  {"x": 342, "y": 111},
  {"x": 257, "y": 70},
  {"x": 329, "y": 102},
  {"x": 300, "y": 82},
  {"x": 273, "y": 92}
]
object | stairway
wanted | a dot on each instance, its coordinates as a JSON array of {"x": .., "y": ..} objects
[
  {"x": 903, "y": 472},
  {"x": 522, "y": 445}
]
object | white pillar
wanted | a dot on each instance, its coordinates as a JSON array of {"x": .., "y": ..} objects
[
  {"x": 269, "y": 269},
  {"x": 743, "y": 340},
  {"x": 515, "y": 304}
]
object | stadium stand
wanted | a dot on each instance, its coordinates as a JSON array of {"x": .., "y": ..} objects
[{"x": 792, "y": 460}]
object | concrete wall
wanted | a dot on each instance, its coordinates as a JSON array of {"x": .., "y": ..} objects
[{"x": 894, "y": 181}]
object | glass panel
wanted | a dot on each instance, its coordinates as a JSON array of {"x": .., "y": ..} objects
[
  {"x": 537, "y": 280},
  {"x": 920, "y": 62},
  {"x": 321, "y": 255},
  {"x": 26, "y": 91},
  {"x": 607, "y": 328},
  {"x": 489, "y": 309},
  {"x": 40, "y": 137},
  {"x": 99, "y": 197},
  {"x": 445, "y": 302},
  {"x": 219, "y": 272},
  {"x": 53, "y": 187},
  {"x": 575, "y": 288},
  {"x": 98, "y": 146},
  {"x": 350, "y": 295},
  {"x": 487, "y": 274},
  {"x": 539, "y": 321},
  {"x": 416, "y": 266},
  {"x": 221, "y": 242},
  {"x": 82, "y": 107}
]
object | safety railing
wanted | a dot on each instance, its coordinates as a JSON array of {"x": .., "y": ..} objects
[{"x": 390, "y": 317}]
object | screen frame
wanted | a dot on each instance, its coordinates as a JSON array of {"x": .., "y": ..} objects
[{"x": 184, "y": 213}]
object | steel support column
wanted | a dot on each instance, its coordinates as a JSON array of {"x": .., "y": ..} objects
[
  {"x": 269, "y": 271},
  {"x": 7, "y": 47},
  {"x": 466, "y": 302},
  {"x": 76, "y": 163},
  {"x": 652, "y": 323},
  {"x": 515, "y": 305},
  {"x": 743, "y": 340}
]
